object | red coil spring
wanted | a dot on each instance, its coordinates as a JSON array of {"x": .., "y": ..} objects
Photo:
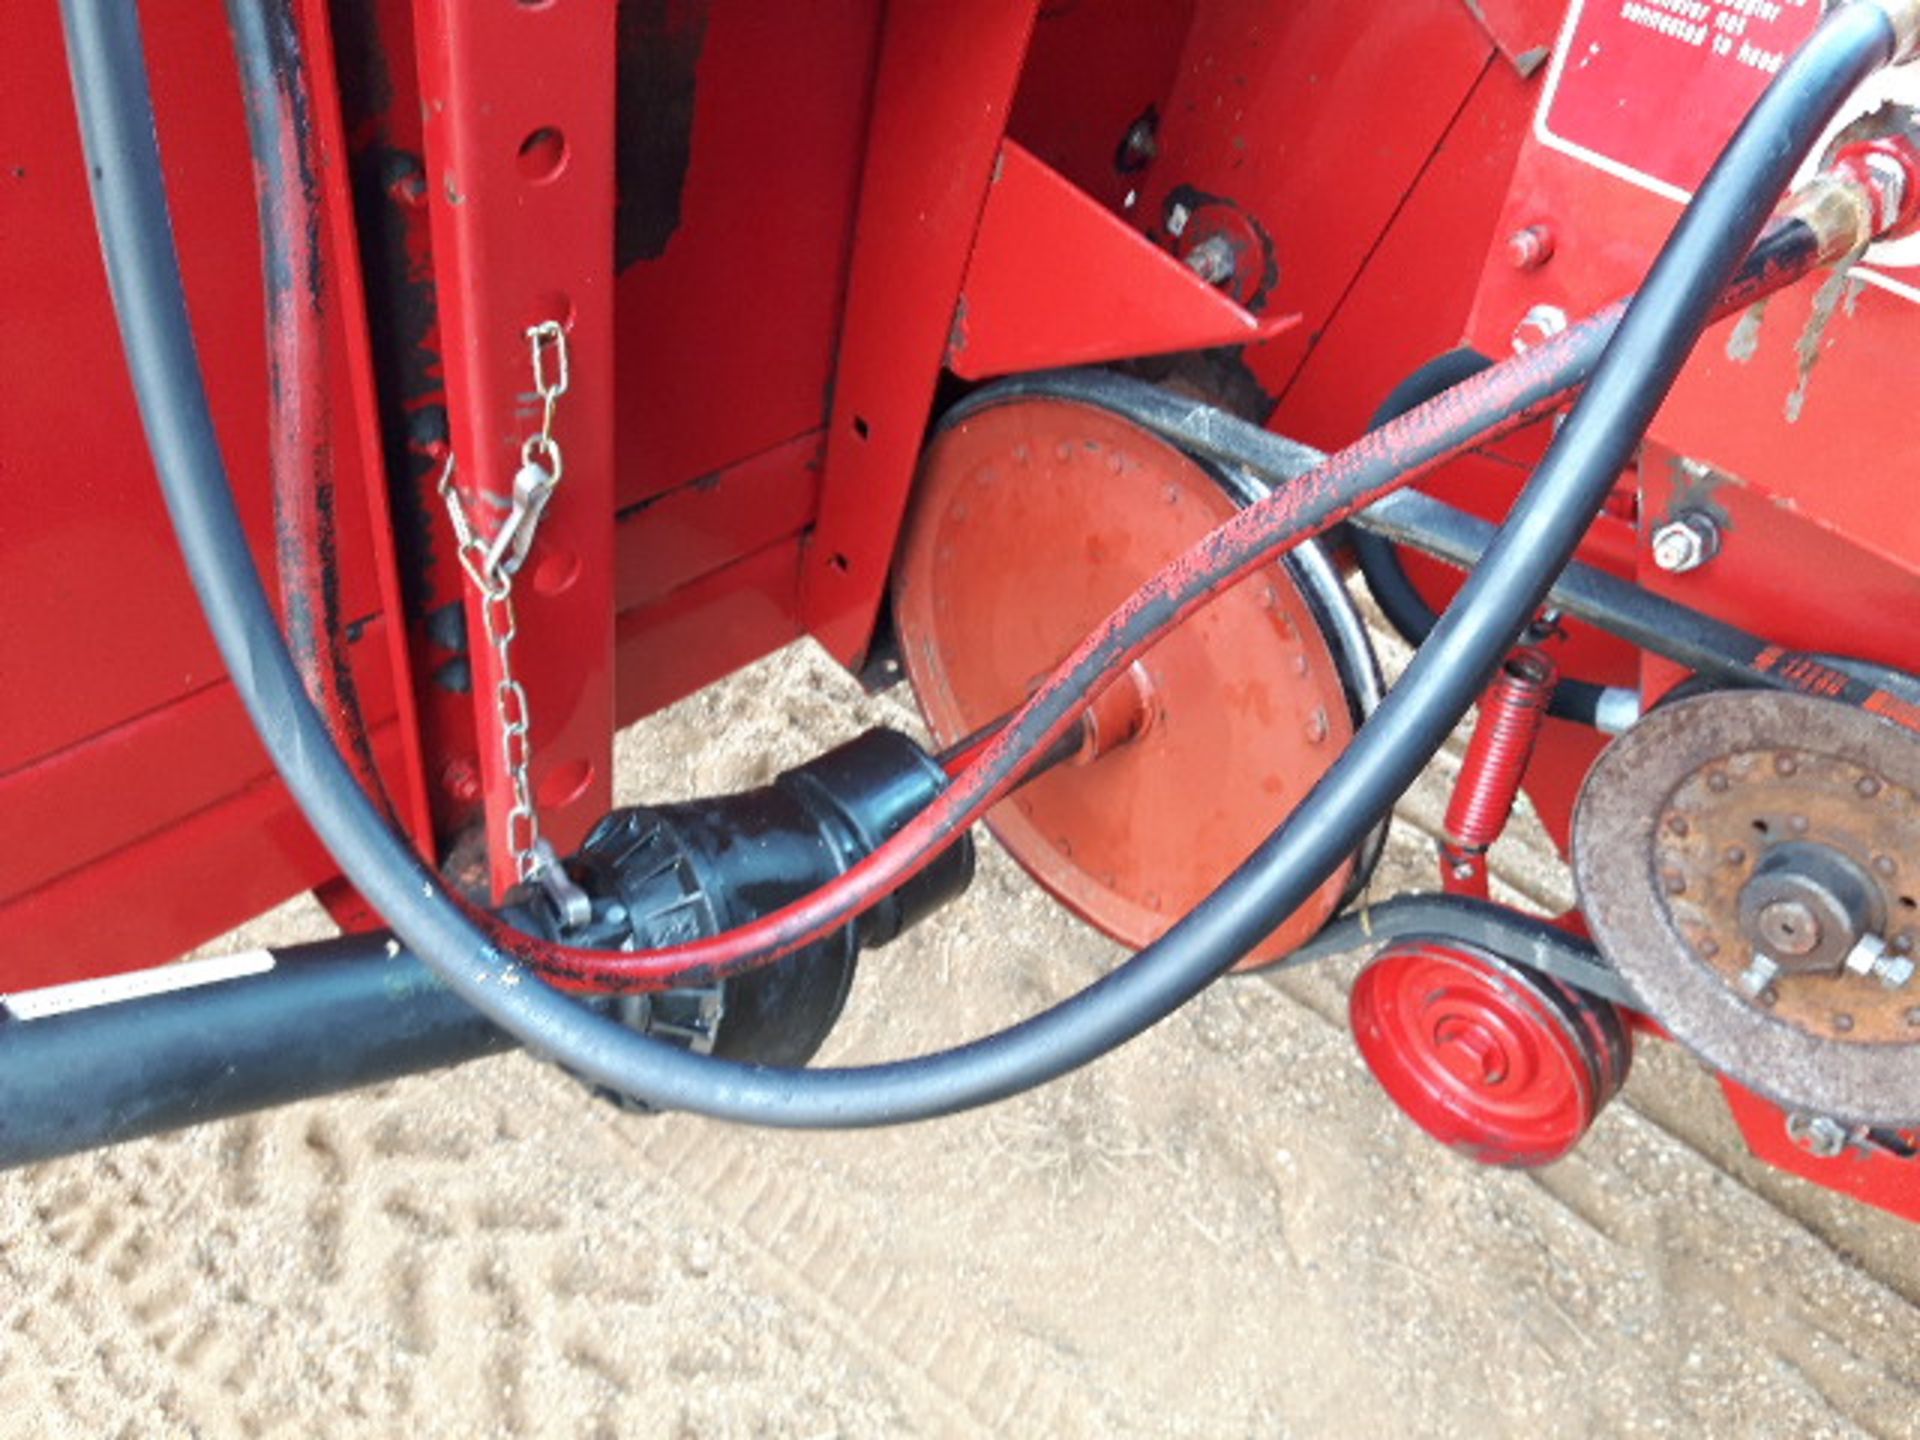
[{"x": 1510, "y": 715}]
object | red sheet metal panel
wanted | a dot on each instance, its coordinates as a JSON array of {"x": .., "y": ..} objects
[
  {"x": 1307, "y": 124},
  {"x": 90, "y": 564},
  {"x": 941, "y": 97},
  {"x": 1523, "y": 29},
  {"x": 716, "y": 624},
  {"x": 1648, "y": 88},
  {"x": 1056, "y": 279},
  {"x": 1412, "y": 297},
  {"x": 741, "y": 134},
  {"x": 519, "y": 105},
  {"x": 1077, "y": 113},
  {"x": 152, "y": 824},
  {"x": 158, "y": 894},
  {"x": 676, "y": 538}
]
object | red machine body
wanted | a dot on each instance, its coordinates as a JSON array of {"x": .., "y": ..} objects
[{"x": 826, "y": 218}]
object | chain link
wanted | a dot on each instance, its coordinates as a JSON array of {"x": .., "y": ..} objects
[{"x": 491, "y": 567}]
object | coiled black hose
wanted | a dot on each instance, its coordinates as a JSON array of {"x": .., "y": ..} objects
[
  {"x": 1641, "y": 363},
  {"x": 1399, "y": 599}
]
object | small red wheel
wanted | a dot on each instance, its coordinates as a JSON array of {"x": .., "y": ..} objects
[{"x": 1488, "y": 1056}]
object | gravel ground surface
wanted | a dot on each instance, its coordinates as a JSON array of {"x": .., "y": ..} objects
[{"x": 1225, "y": 1229}]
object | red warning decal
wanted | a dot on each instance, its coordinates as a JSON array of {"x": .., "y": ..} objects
[{"x": 1653, "y": 89}]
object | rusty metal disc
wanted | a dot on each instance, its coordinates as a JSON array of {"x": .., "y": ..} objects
[
  {"x": 1687, "y": 814},
  {"x": 1032, "y": 520}
]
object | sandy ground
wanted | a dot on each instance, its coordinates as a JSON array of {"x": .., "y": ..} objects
[{"x": 1223, "y": 1230}]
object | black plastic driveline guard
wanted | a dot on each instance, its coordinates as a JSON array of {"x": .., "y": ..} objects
[{"x": 134, "y": 1055}]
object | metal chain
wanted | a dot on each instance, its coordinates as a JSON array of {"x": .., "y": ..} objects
[{"x": 491, "y": 566}]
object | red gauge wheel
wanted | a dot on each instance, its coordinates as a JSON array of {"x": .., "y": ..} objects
[
  {"x": 1032, "y": 520},
  {"x": 1488, "y": 1056}
]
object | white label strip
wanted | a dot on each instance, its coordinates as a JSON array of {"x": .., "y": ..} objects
[{"x": 135, "y": 985}]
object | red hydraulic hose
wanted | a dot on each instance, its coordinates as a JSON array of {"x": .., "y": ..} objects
[{"x": 286, "y": 178}]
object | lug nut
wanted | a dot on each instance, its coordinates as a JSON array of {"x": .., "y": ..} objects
[{"x": 1685, "y": 543}]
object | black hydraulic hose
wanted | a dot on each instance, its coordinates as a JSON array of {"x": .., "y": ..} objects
[{"x": 1640, "y": 364}]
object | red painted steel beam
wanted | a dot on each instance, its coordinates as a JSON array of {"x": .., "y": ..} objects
[
  {"x": 942, "y": 93},
  {"x": 518, "y": 102},
  {"x": 1056, "y": 278}
]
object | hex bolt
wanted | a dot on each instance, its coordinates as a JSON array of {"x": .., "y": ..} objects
[
  {"x": 1530, "y": 247},
  {"x": 1686, "y": 542},
  {"x": 1140, "y": 145},
  {"x": 1537, "y": 326},
  {"x": 1866, "y": 953},
  {"x": 1894, "y": 971},
  {"x": 1212, "y": 260},
  {"x": 1872, "y": 956},
  {"x": 1821, "y": 1136}
]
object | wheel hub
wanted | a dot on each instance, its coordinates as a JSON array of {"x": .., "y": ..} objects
[{"x": 1772, "y": 917}]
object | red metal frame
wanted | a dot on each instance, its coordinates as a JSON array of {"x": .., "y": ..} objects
[
  {"x": 520, "y": 191},
  {"x": 946, "y": 76}
]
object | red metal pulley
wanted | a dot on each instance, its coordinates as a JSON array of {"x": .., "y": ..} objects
[
  {"x": 1032, "y": 520},
  {"x": 1488, "y": 1056}
]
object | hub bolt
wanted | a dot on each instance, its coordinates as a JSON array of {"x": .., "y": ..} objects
[
  {"x": 1537, "y": 326},
  {"x": 1212, "y": 260},
  {"x": 1870, "y": 956},
  {"x": 1530, "y": 247},
  {"x": 1758, "y": 975}
]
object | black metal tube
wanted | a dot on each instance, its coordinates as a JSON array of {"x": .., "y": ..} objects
[
  {"x": 1704, "y": 644},
  {"x": 322, "y": 1018},
  {"x": 1689, "y": 637},
  {"x": 1499, "y": 599}
]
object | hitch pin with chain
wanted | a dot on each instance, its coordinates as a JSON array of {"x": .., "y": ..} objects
[
  {"x": 540, "y": 462},
  {"x": 491, "y": 567}
]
